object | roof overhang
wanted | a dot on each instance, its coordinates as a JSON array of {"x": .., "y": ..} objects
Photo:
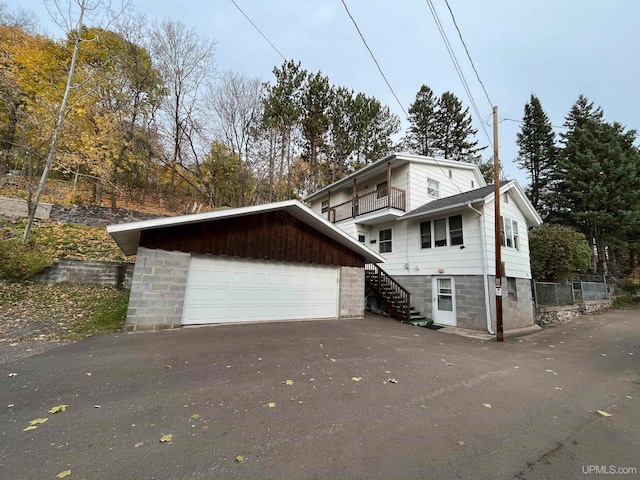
[
  {"x": 396, "y": 160},
  {"x": 127, "y": 235}
]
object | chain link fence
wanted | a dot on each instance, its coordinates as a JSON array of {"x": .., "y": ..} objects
[{"x": 563, "y": 294}]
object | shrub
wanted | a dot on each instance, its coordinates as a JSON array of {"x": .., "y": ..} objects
[
  {"x": 19, "y": 260},
  {"x": 556, "y": 252}
]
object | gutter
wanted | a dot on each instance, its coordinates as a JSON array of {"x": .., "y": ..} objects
[{"x": 485, "y": 273}]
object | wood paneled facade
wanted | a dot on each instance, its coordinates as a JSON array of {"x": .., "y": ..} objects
[{"x": 275, "y": 235}]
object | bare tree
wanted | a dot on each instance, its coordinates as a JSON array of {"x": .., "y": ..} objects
[
  {"x": 20, "y": 17},
  {"x": 185, "y": 61},
  {"x": 71, "y": 18}
]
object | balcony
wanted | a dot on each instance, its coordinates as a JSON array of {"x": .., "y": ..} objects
[{"x": 383, "y": 199}]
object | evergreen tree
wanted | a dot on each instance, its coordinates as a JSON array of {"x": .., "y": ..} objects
[
  {"x": 598, "y": 180},
  {"x": 454, "y": 136},
  {"x": 537, "y": 152},
  {"x": 422, "y": 118}
]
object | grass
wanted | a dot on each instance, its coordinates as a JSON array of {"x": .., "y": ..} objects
[{"x": 108, "y": 316}]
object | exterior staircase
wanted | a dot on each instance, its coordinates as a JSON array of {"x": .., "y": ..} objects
[{"x": 395, "y": 297}]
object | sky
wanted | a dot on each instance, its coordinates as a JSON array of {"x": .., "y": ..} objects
[{"x": 555, "y": 49}]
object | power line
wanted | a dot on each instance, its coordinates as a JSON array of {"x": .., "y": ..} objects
[
  {"x": 458, "y": 68},
  {"x": 468, "y": 54},
  {"x": 259, "y": 31},
  {"x": 374, "y": 59}
]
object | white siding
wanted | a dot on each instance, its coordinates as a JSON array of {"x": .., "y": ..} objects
[
  {"x": 459, "y": 182},
  {"x": 517, "y": 262}
]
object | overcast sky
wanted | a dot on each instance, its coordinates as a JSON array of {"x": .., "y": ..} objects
[{"x": 556, "y": 49}]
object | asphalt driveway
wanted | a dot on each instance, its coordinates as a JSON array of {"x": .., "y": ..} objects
[{"x": 369, "y": 398}]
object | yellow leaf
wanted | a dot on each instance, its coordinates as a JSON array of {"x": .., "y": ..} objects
[
  {"x": 550, "y": 371},
  {"x": 89, "y": 374},
  {"x": 30, "y": 427},
  {"x": 603, "y": 413},
  {"x": 488, "y": 405},
  {"x": 288, "y": 382},
  {"x": 272, "y": 405},
  {"x": 59, "y": 408},
  {"x": 356, "y": 379},
  {"x": 38, "y": 421},
  {"x": 13, "y": 374},
  {"x": 558, "y": 388},
  {"x": 393, "y": 380},
  {"x": 66, "y": 473},
  {"x": 332, "y": 359},
  {"x": 166, "y": 438},
  {"x": 387, "y": 371},
  {"x": 239, "y": 458}
]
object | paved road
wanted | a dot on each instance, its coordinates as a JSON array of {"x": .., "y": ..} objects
[{"x": 211, "y": 389}]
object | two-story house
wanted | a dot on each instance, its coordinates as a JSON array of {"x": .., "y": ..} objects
[{"x": 433, "y": 222}]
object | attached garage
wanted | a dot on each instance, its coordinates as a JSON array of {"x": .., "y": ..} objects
[
  {"x": 222, "y": 289},
  {"x": 279, "y": 261}
]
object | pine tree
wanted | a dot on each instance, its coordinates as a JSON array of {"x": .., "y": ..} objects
[
  {"x": 422, "y": 117},
  {"x": 598, "y": 179},
  {"x": 454, "y": 135},
  {"x": 537, "y": 152}
]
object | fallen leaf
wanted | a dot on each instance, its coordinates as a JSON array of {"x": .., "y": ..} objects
[
  {"x": 461, "y": 443},
  {"x": 388, "y": 372},
  {"x": 628, "y": 396},
  {"x": 332, "y": 359},
  {"x": 30, "y": 427},
  {"x": 166, "y": 438},
  {"x": 558, "y": 388},
  {"x": 288, "y": 382},
  {"x": 13, "y": 374},
  {"x": 239, "y": 458},
  {"x": 89, "y": 374},
  {"x": 38, "y": 421},
  {"x": 603, "y": 413},
  {"x": 195, "y": 416},
  {"x": 488, "y": 405},
  {"x": 392, "y": 380},
  {"x": 423, "y": 406},
  {"x": 63, "y": 474},
  {"x": 272, "y": 405},
  {"x": 450, "y": 364},
  {"x": 550, "y": 371},
  {"x": 59, "y": 408},
  {"x": 96, "y": 406},
  {"x": 603, "y": 354},
  {"x": 516, "y": 367},
  {"x": 168, "y": 367},
  {"x": 13, "y": 344},
  {"x": 139, "y": 444},
  {"x": 356, "y": 379}
]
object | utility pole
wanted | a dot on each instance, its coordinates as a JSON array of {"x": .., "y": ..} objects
[{"x": 496, "y": 184}]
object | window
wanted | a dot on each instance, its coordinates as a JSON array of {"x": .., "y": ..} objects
[
  {"x": 512, "y": 289},
  {"x": 450, "y": 173},
  {"x": 433, "y": 188},
  {"x": 384, "y": 237},
  {"x": 362, "y": 238},
  {"x": 473, "y": 184},
  {"x": 441, "y": 232},
  {"x": 455, "y": 230},
  {"x": 425, "y": 235},
  {"x": 505, "y": 197},
  {"x": 509, "y": 233},
  {"x": 381, "y": 188},
  {"x": 325, "y": 206}
]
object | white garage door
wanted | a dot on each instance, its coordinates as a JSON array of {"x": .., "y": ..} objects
[{"x": 223, "y": 289}]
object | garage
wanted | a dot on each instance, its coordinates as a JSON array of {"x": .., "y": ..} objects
[
  {"x": 278, "y": 261},
  {"x": 222, "y": 289}
]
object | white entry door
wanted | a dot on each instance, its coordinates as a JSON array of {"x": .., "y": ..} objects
[
  {"x": 444, "y": 301},
  {"x": 228, "y": 289}
]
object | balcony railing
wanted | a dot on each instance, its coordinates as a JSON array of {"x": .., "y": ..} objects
[{"x": 384, "y": 198}]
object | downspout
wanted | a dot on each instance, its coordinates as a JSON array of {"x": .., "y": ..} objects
[{"x": 485, "y": 273}]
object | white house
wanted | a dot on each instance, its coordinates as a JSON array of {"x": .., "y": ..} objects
[{"x": 433, "y": 221}]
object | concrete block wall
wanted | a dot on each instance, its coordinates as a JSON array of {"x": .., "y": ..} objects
[
  {"x": 14, "y": 207},
  {"x": 470, "y": 302},
  {"x": 157, "y": 290},
  {"x": 420, "y": 288},
  {"x": 515, "y": 314},
  {"x": 91, "y": 272},
  {"x": 351, "y": 301}
]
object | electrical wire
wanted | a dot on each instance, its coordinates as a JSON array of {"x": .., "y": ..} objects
[
  {"x": 259, "y": 31},
  {"x": 468, "y": 54},
  {"x": 458, "y": 68},
  {"x": 374, "y": 59}
]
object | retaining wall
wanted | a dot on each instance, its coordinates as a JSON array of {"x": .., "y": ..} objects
[{"x": 91, "y": 272}]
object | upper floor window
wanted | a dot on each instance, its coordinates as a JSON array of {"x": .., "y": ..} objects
[
  {"x": 441, "y": 232},
  {"x": 433, "y": 188},
  {"x": 384, "y": 239},
  {"x": 509, "y": 236},
  {"x": 325, "y": 206},
  {"x": 381, "y": 190}
]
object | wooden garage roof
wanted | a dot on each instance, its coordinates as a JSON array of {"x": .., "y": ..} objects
[{"x": 128, "y": 235}]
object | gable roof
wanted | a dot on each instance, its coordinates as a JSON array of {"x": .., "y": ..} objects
[
  {"x": 396, "y": 159},
  {"x": 127, "y": 235},
  {"x": 482, "y": 195}
]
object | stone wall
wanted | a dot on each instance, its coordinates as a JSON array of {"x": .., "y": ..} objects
[
  {"x": 14, "y": 207},
  {"x": 94, "y": 215},
  {"x": 157, "y": 290},
  {"x": 91, "y": 272},
  {"x": 351, "y": 301},
  {"x": 550, "y": 315}
]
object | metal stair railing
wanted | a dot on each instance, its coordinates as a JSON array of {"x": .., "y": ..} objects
[{"x": 398, "y": 297}]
